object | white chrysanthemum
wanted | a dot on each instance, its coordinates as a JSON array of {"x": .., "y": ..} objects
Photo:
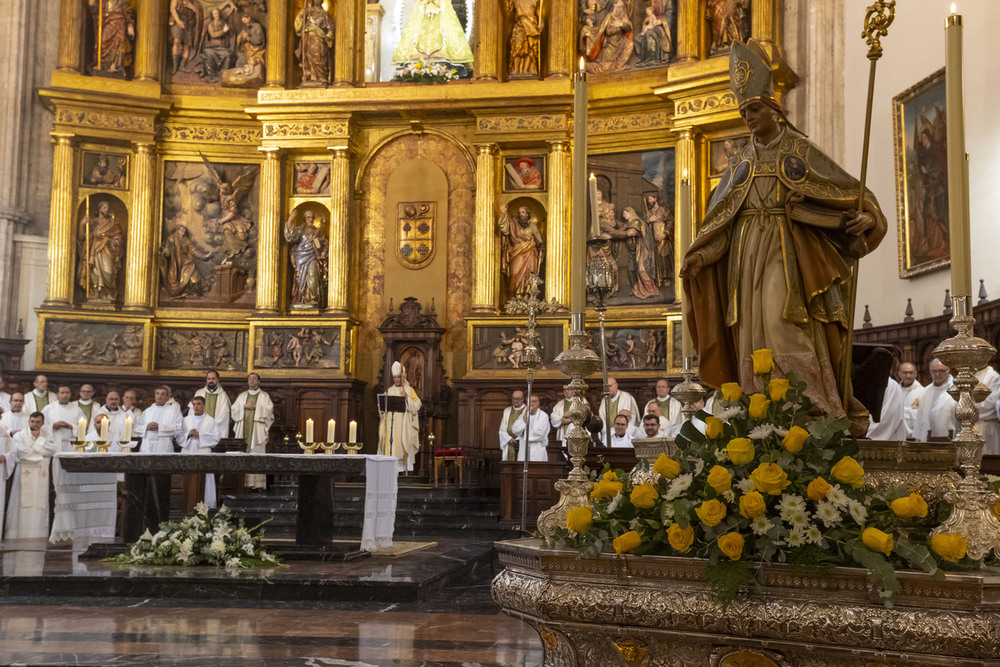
[
  {"x": 613, "y": 505},
  {"x": 790, "y": 504},
  {"x": 729, "y": 495},
  {"x": 678, "y": 487},
  {"x": 721, "y": 455},
  {"x": 217, "y": 547},
  {"x": 796, "y": 537},
  {"x": 761, "y": 432},
  {"x": 248, "y": 548},
  {"x": 813, "y": 535},
  {"x": 761, "y": 525},
  {"x": 828, "y": 513},
  {"x": 745, "y": 485},
  {"x": 797, "y": 519},
  {"x": 858, "y": 512},
  {"x": 838, "y": 497},
  {"x": 668, "y": 510},
  {"x": 699, "y": 465},
  {"x": 735, "y": 410},
  {"x": 233, "y": 563}
]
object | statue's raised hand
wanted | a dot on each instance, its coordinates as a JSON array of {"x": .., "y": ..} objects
[
  {"x": 693, "y": 264},
  {"x": 859, "y": 223}
]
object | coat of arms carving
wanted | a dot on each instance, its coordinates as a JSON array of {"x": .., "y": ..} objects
[{"x": 415, "y": 233}]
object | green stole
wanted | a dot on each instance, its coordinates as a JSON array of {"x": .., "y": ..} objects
[
  {"x": 664, "y": 407},
  {"x": 515, "y": 413},
  {"x": 210, "y": 400},
  {"x": 613, "y": 404},
  {"x": 248, "y": 420},
  {"x": 87, "y": 411},
  {"x": 41, "y": 400}
]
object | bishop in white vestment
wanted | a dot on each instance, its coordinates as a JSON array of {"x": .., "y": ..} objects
[
  {"x": 28, "y": 514},
  {"x": 161, "y": 425},
  {"x": 512, "y": 413},
  {"x": 537, "y": 438},
  {"x": 217, "y": 403},
  {"x": 199, "y": 436},
  {"x": 401, "y": 428},
  {"x": 253, "y": 414},
  {"x": 936, "y": 413}
]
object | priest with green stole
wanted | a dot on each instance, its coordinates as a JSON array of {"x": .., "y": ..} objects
[
  {"x": 513, "y": 412},
  {"x": 253, "y": 414},
  {"x": 771, "y": 265},
  {"x": 88, "y": 406},
  {"x": 36, "y": 399},
  {"x": 217, "y": 405}
]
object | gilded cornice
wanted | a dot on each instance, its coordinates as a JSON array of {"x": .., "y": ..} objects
[
  {"x": 629, "y": 122},
  {"x": 704, "y": 105},
  {"x": 205, "y": 133},
  {"x": 336, "y": 129},
  {"x": 525, "y": 123},
  {"x": 108, "y": 120}
]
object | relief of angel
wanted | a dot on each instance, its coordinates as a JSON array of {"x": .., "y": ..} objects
[{"x": 233, "y": 226}]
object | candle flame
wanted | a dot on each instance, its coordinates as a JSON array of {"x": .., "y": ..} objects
[
  {"x": 583, "y": 63},
  {"x": 953, "y": 8},
  {"x": 592, "y": 177},
  {"x": 685, "y": 173}
]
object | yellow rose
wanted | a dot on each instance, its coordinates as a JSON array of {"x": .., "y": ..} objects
[
  {"x": 763, "y": 362},
  {"x": 610, "y": 476},
  {"x": 627, "y": 542},
  {"x": 740, "y": 451},
  {"x": 794, "y": 439},
  {"x": 752, "y": 505},
  {"x": 731, "y": 544},
  {"x": 876, "y": 540},
  {"x": 778, "y": 388},
  {"x": 731, "y": 392},
  {"x": 711, "y": 512},
  {"x": 949, "y": 546},
  {"x": 720, "y": 479},
  {"x": 680, "y": 539},
  {"x": 579, "y": 519},
  {"x": 713, "y": 428},
  {"x": 758, "y": 406},
  {"x": 909, "y": 506},
  {"x": 644, "y": 496},
  {"x": 666, "y": 466},
  {"x": 817, "y": 489},
  {"x": 849, "y": 471},
  {"x": 605, "y": 489},
  {"x": 996, "y": 510},
  {"x": 769, "y": 478}
]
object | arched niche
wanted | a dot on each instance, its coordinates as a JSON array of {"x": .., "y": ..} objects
[{"x": 90, "y": 207}]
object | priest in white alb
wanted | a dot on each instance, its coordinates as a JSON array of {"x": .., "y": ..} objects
[
  {"x": 399, "y": 432},
  {"x": 130, "y": 405},
  {"x": 14, "y": 419},
  {"x": 536, "y": 440},
  {"x": 115, "y": 416},
  {"x": 513, "y": 412},
  {"x": 217, "y": 404},
  {"x": 36, "y": 399},
  {"x": 4, "y": 398},
  {"x": 912, "y": 391},
  {"x": 620, "y": 400},
  {"x": 890, "y": 425},
  {"x": 200, "y": 435},
  {"x": 936, "y": 413},
  {"x": 63, "y": 420},
  {"x": 253, "y": 414},
  {"x": 88, "y": 406},
  {"x": 28, "y": 513},
  {"x": 161, "y": 424},
  {"x": 988, "y": 424},
  {"x": 559, "y": 418}
]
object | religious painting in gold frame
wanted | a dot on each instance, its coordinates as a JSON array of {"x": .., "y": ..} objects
[
  {"x": 107, "y": 171},
  {"x": 634, "y": 347},
  {"x": 918, "y": 128},
  {"x": 415, "y": 231},
  {"x": 524, "y": 173}
]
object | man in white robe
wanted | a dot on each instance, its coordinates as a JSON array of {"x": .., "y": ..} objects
[
  {"x": 14, "y": 419},
  {"x": 891, "y": 424},
  {"x": 217, "y": 404},
  {"x": 936, "y": 413},
  {"x": 559, "y": 419},
  {"x": 161, "y": 424},
  {"x": 130, "y": 405},
  {"x": 537, "y": 438},
  {"x": 63, "y": 419},
  {"x": 619, "y": 400},
  {"x": 652, "y": 427},
  {"x": 253, "y": 414},
  {"x": 663, "y": 429},
  {"x": 620, "y": 435},
  {"x": 28, "y": 515},
  {"x": 670, "y": 407},
  {"x": 511, "y": 414},
  {"x": 36, "y": 399},
  {"x": 912, "y": 391},
  {"x": 988, "y": 425},
  {"x": 200, "y": 435},
  {"x": 4, "y": 398},
  {"x": 115, "y": 416},
  {"x": 88, "y": 406},
  {"x": 399, "y": 432}
]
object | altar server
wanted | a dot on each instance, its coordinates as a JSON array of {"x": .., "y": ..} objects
[
  {"x": 559, "y": 419},
  {"x": 253, "y": 414},
  {"x": 28, "y": 515},
  {"x": 988, "y": 425},
  {"x": 936, "y": 413},
  {"x": 36, "y": 399},
  {"x": 116, "y": 416},
  {"x": 511, "y": 414},
  {"x": 670, "y": 407},
  {"x": 619, "y": 400},
  {"x": 88, "y": 406},
  {"x": 537, "y": 438},
  {"x": 200, "y": 435},
  {"x": 403, "y": 426},
  {"x": 161, "y": 424},
  {"x": 891, "y": 424},
  {"x": 62, "y": 419},
  {"x": 217, "y": 404},
  {"x": 912, "y": 391},
  {"x": 14, "y": 419}
]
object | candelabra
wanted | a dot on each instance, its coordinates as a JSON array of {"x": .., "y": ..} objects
[
  {"x": 600, "y": 283},
  {"x": 688, "y": 392}
]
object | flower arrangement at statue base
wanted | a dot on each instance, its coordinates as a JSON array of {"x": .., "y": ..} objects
[
  {"x": 421, "y": 72},
  {"x": 768, "y": 482},
  {"x": 203, "y": 539}
]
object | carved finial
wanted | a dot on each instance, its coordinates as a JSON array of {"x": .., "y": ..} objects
[
  {"x": 909, "y": 311},
  {"x": 432, "y": 305},
  {"x": 867, "y": 319},
  {"x": 947, "y": 302},
  {"x": 20, "y": 328},
  {"x": 982, "y": 293},
  {"x": 391, "y": 308},
  {"x": 877, "y": 21}
]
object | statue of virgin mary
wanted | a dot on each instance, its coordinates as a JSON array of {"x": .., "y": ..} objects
[{"x": 433, "y": 33}]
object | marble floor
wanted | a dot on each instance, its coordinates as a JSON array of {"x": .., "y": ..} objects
[{"x": 457, "y": 625}]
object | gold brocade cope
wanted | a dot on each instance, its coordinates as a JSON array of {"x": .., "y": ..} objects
[{"x": 415, "y": 227}]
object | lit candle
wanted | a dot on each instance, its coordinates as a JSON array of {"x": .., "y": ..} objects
[
  {"x": 309, "y": 431},
  {"x": 352, "y": 431},
  {"x": 81, "y": 429},
  {"x": 331, "y": 428},
  {"x": 958, "y": 175},
  {"x": 104, "y": 428},
  {"x": 684, "y": 234},
  {"x": 595, "y": 220},
  {"x": 578, "y": 224},
  {"x": 128, "y": 428}
]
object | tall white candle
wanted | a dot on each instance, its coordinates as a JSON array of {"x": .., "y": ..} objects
[
  {"x": 958, "y": 179},
  {"x": 104, "y": 428},
  {"x": 128, "y": 429},
  {"x": 81, "y": 429},
  {"x": 352, "y": 432},
  {"x": 578, "y": 223},
  {"x": 331, "y": 431},
  {"x": 684, "y": 236},
  {"x": 309, "y": 431}
]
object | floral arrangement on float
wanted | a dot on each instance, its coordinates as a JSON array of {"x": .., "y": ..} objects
[
  {"x": 206, "y": 538},
  {"x": 767, "y": 482},
  {"x": 421, "y": 72}
]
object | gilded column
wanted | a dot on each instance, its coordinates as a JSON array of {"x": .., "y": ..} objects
[
  {"x": 340, "y": 212},
  {"x": 561, "y": 39},
  {"x": 763, "y": 20},
  {"x": 268, "y": 242},
  {"x": 61, "y": 245},
  {"x": 277, "y": 43},
  {"x": 138, "y": 283},
  {"x": 485, "y": 286},
  {"x": 686, "y": 159},
  {"x": 149, "y": 41},
  {"x": 71, "y": 37},
  {"x": 557, "y": 227},
  {"x": 349, "y": 48},
  {"x": 486, "y": 66},
  {"x": 688, "y": 28}
]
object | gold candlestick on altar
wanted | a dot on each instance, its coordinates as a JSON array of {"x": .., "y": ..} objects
[
  {"x": 958, "y": 160},
  {"x": 307, "y": 447},
  {"x": 331, "y": 447}
]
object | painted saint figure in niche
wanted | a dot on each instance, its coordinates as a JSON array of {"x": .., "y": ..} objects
[
  {"x": 433, "y": 33},
  {"x": 114, "y": 36},
  {"x": 524, "y": 174},
  {"x": 522, "y": 248},
  {"x": 187, "y": 19},
  {"x": 314, "y": 28},
  {"x": 108, "y": 174},
  {"x": 101, "y": 244},
  {"x": 178, "y": 269},
  {"x": 312, "y": 178},
  {"x": 525, "y": 36},
  {"x": 730, "y": 22},
  {"x": 309, "y": 255}
]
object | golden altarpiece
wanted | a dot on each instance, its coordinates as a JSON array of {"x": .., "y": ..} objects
[{"x": 228, "y": 194}]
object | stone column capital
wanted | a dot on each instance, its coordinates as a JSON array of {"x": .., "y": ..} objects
[
  {"x": 486, "y": 148},
  {"x": 64, "y": 139}
]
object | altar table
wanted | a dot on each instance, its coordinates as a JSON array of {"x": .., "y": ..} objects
[{"x": 147, "y": 485}]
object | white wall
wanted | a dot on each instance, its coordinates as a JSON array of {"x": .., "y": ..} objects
[
  {"x": 914, "y": 49},
  {"x": 30, "y": 274}
]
